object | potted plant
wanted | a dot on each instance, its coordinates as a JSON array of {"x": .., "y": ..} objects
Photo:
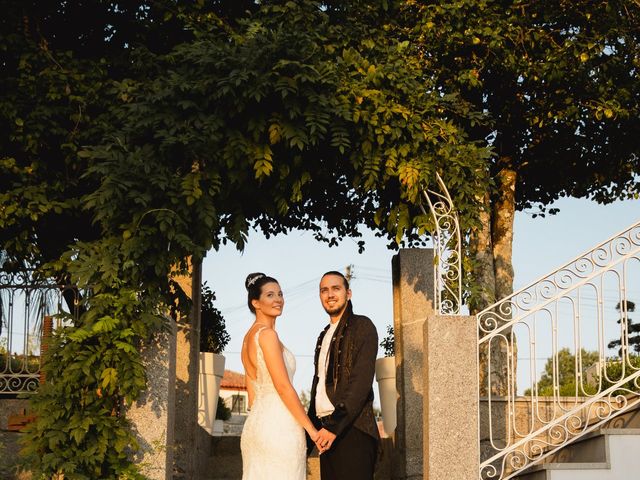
[
  {"x": 223, "y": 413},
  {"x": 213, "y": 338},
  {"x": 386, "y": 378}
]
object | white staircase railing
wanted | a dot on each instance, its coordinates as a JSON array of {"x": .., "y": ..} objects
[{"x": 568, "y": 354}]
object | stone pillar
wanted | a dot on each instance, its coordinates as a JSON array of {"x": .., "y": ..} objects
[
  {"x": 450, "y": 405},
  {"x": 186, "y": 385},
  {"x": 152, "y": 416},
  {"x": 412, "y": 304}
]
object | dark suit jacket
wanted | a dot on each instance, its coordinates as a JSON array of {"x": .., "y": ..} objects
[{"x": 350, "y": 371}]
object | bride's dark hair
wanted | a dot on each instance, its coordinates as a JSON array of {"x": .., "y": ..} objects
[{"x": 253, "y": 284}]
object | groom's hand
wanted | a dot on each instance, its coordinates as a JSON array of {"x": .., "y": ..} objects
[{"x": 324, "y": 440}]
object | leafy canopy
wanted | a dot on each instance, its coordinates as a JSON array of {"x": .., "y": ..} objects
[{"x": 559, "y": 83}]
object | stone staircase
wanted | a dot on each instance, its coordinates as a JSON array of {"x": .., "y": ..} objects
[{"x": 609, "y": 453}]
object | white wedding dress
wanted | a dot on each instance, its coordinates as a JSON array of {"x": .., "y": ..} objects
[{"x": 273, "y": 444}]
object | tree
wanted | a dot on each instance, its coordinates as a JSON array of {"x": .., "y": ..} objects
[
  {"x": 559, "y": 83},
  {"x": 222, "y": 411},
  {"x": 566, "y": 384},
  {"x": 59, "y": 63},
  {"x": 633, "y": 330},
  {"x": 388, "y": 342},
  {"x": 304, "y": 399},
  {"x": 559, "y": 377},
  {"x": 213, "y": 333}
]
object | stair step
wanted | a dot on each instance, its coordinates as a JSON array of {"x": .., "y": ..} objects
[
  {"x": 590, "y": 448},
  {"x": 542, "y": 472},
  {"x": 616, "y": 449}
]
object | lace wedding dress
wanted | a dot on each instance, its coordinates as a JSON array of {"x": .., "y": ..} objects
[{"x": 273, "y": 444}]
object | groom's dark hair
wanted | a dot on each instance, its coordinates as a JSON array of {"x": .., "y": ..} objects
[{"x": 338, "y": 274}]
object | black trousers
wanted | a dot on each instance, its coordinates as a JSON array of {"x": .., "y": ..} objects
[{"x": 351, "y": 457}]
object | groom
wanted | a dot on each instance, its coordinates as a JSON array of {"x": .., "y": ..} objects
[{"x": 341, "y": 393}]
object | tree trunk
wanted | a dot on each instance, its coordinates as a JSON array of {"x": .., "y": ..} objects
[
  {"x": 504, "y": 209},
  {"x": 484, "y": 279},
  {"x": 482, "y": 252},
  {"x": 504, "y": 349},
  {"x": 491, "y": 246}
]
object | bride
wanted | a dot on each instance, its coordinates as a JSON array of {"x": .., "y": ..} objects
[{"x": 273, "y": 442}]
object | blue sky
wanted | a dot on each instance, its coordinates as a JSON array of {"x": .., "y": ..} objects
[{"x": 298, "y": 261}]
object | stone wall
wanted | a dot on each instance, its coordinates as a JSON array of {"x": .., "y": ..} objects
[
  {"x": 11, "y": 406},
  {"x": 11, "y": 464}
]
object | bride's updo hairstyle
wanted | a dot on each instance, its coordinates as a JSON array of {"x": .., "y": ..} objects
[{"x": 253, "y": 284}]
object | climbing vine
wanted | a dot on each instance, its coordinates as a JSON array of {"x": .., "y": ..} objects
[{"x": 292, "y": 117}]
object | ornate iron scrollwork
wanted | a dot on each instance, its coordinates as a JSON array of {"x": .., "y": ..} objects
[{"x": 447, "y": 248}]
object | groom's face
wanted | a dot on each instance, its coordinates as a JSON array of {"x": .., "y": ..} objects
[{"x": 334, "y": 294}]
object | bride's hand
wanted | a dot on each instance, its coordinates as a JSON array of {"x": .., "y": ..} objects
[
  {"x": 315, "y": 438},
  {"x": 324, "y": 440}
]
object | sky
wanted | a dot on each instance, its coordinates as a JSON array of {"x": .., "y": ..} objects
[{"x": 298, "y": 261}]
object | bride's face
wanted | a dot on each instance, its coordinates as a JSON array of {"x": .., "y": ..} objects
[{"x": 271, "y": 301}]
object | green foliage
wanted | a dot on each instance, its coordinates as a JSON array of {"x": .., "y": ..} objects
[
  {"x": 94, "y": 371},
  {"x": 155, "y": 131},
  {"x": 558, "y": 83},
  {"x": 291, "y": 117},
  {"x": 633, "y": 329},
  {"x": 565, "y": 374},
  {"x": 615, "y": 373},
  {"x": 565, "y": 368},
  {"x": 388, "y": 343},
  {"x": 213, "y": 333},
  {"x": 222, "y": 411},
  {"x": 320, "y": 136}
]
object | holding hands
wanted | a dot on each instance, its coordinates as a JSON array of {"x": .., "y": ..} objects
[{"x": 324, "y": 440}]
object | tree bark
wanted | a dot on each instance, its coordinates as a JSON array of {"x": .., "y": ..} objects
[
  {"x": 491, "y": 246},
  {"x": 483, "y": 273},
  {"x": 504, "y": 208},
  {"x": 504, "y": 348},
  {"x": 482, "y": 251}
]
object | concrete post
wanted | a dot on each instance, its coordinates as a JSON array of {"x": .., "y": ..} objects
[
  {"x": 412, "y": 304},
  {"x": 152, "y": 416},
  {"x": 450, "y": 405},
  {"x": 186, "y": 385}
]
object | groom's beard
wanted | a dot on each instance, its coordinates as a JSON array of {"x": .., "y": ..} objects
[{"x": 337, "y": 308}]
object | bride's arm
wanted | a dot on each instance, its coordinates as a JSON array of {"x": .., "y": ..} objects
[
  {"x": 272, "y": 351},
  {"x": 249, "y": 389}
]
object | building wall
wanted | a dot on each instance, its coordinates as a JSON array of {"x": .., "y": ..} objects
[{"x": 236, "y": 400}]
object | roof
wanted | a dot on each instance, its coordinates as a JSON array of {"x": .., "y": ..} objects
[{"x": 233, "y": 381}]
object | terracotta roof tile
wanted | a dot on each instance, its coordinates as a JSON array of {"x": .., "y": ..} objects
[{"x": 233, "y": 380}]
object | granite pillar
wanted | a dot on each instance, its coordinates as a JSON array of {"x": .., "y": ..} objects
[
  {"x": 152, "y": 416},
  {"x": 450, "y": 406},
  {"x": 412, "y": 304}
]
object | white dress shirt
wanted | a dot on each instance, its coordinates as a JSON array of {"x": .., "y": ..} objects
[{"x": 324, "y": 406}]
